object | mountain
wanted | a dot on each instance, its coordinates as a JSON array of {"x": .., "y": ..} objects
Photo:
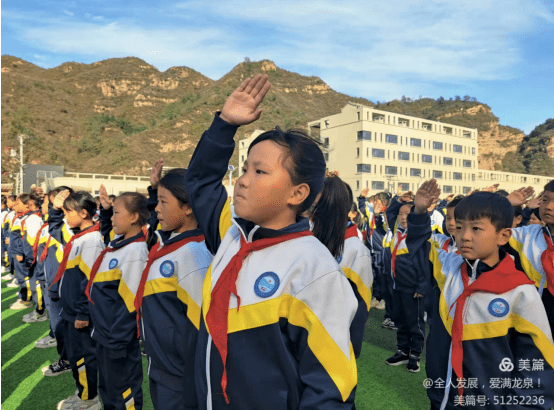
[{"x": 118, "y": 116}]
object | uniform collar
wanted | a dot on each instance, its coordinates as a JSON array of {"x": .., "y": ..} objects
[
  {"x": 120, "y": 241},
  {"x": 481, "y": 267},
  {"x": 253, "y": 232},
  {"x": 165, "y": 236}
]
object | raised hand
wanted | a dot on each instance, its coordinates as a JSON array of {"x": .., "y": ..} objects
[
  {"x": 241, "y": 107},
  {"x": 60, "y": 199},
  {"x": 364, "y": 192},
  {"x": 449, "y": 197},
  {"x": 156, "y": 173},
  {"x": 492, "y": 188},
  {"x": 426, "y": 195},
  {"x": 519, "y": 196},
  {"x": 535, "y": 202},
  {"x": 105, "y": 200},
  {"x": 406, "y": 197}
]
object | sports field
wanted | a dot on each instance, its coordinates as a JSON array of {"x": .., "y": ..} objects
[{"x": 24, "y": 387}]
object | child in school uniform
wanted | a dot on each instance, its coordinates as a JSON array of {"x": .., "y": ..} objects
[
  {"x": 532, "y": 246},
  {"x": 6, "y": 232},
  {"x": 491, "y": 321},
  {"x": 79, "y": 256},
  {"x": 276, "y": 307},
  {"x": 328, "y": 217},
  {"x": 113, "y": 283},
  {"x": 169, "y": 295},
  {"x": 3, "y": 223}
]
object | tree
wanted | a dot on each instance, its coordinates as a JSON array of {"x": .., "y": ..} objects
[
  {"x": 457, "y": 98},
  {"x": 467, "y": 97},
  {"x": 246, "y": 59},
  {"x": 440, "y": 100}
]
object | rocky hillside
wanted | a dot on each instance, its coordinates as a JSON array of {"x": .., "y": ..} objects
[{"x": 120, "y": 115}]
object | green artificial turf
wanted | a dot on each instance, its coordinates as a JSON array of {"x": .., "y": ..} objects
[{"x": 24, "y": 387}]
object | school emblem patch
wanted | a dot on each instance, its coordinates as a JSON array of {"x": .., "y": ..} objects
[
  {"x": 77, "y": 251},
  {"x": 266, "y": 285},
  {"x": 499, "y": 307},
  {"x": 339, "y": 259},
  {"x": 167, "y": 268},
  {"x": 113, "y": 263}
]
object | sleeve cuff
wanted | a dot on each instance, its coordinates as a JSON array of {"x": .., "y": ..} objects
[
  {"x": 221, "y": 130},
  {"x": 82, "y": 317},
  {"x": 106, "y": 213},
  {"x": 418, "y": 219}
]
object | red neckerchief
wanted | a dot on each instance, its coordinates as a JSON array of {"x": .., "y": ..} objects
[
  {"x": 156, "y": 253},
  {"x": 45, "y": 250},
  {"x": 217, "y": 317},
  {"x": 447, "y": 244},
  {"x": 503, "y": 278},
  {"x": 99, "y": 260},
  {"x": 67, "y": 251},
  {"x": 37, "y": 239},
  {"x": 547, "y": 260},
  {"x": 401, "y": 237},
  {"x": 29, "y": 214},
  {"x": 351, "y": 232}
]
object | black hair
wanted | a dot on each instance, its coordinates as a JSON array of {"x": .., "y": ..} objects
[
  {"x": 59, "y": 189},
  {"x": 549, "y": 186},
  {"x": 174, "y": 182},
  {"x": 135, "y": 202},
  {"x": 536, "y": 213},
  {"x": 518, "y": 209},
  {"x": 502, "y": 192},
  {"x": 455, "y": 201},
  {"x": 486, "y": 205},
  {"x": 12, "y": 198},
  {"x": 4, "y": 201},
  {"x": 330, "y": 215},
  {"x": 307, "y": 161},
  {"x": 79, "y": 201},
  {"x": 383, "y": 197}
]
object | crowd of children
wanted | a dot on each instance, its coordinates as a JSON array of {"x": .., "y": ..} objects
[{"x": 263, "y": 302}]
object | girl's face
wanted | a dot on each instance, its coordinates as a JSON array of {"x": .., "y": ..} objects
[
  {"x": 534, "y": 220},
  {"x": 122, "y": 219},
  {"x": 172, "y": 214},
  {"x": 44, "y": 208},
  {"x": 264, "y": 193},
  {"x": 75, "y": 218}
]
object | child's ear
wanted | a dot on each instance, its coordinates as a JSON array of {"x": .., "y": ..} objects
[
  {"x": 504, "y": 236},
  {"x": 188, "y": 210},
  {"x": 135, "y": 218},
  {"x": 299, "y": 194},
  {"x": 84, "y": 214}
]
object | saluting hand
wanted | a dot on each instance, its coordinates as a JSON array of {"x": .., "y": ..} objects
[
  {"x": 60, "y": 199},
  {"x": 519, "y": 196},
  {"x": 241, "y": 107},
  {"x": 426, "y": 195},
  {"x": 156, "y": 173},
  {"x": 105, "y": 200}
]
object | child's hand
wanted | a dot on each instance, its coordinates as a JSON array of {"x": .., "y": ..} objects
[
  {"x": 449, "y": 197},
  {"x": 535, "y": 202},
  {"x": 241, "y": 107},
  {"x": 105, "y": 200},
  {"x": 426, "y": 196},
  {"x": 519, "y": 196},
  {"x": 406, "y": 197},
  {"x": 79, "y": 324},
  {"x": 156, "y": 173},
  {"x": 364, "y": 192},
  {"x": 60, "y": 199},
  {"x": 492, "y": 188}
]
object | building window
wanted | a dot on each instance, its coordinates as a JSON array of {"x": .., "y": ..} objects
[
  {"x": 326, "y": 155},
  {"x": 242, "y": 158},
  {"x": 457, "y": 175},
  {"x": 447, "y": 189},
  {"x": 427, "y": 158},
  {"x": 391, "y": 170},
  {"x": 391, "y": 139},
  {"x": 457, "y": 148},
  {"x": 404, "y": 186},
  {"x": 447, "y": 161},
  {"x": 466, "y": 190},
  {"x": 364, "y": 168},
  {"x": 437, "y": 174},
  {"x": 378, "y": 153},
  {"x": 415, "y": 142},
  {"x": 357, "y": 152},
  {"x": 437, "y": 145},
  {"x": 403, "y": 156},
  {"x": 379, "y": 185},
  {"x": 357, "y": 185},
  {"x": 415, "y": 172},
  {"x": 467, "y": 163},
  {"x": 472, "y": 151},
  {"x": 473, "y": 177},
  {"x": 326, "y": 142},
  {"x": 364, "y": 135}
]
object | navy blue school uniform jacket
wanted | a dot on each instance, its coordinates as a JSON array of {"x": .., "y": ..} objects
[
  {"x": 31, "y": 228},
  {"x": 498, "y": 329},
  {"x": 355, "y": 262},
  {"x": 112, "y": 293},
  {"x": 289, "y": 342},
  {"x": 84, "y": 251}
]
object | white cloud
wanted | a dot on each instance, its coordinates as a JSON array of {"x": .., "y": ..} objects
[{"x": 69, "y": 13}]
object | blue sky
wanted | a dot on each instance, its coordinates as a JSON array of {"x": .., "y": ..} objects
[{"x": 499, "y": 51}]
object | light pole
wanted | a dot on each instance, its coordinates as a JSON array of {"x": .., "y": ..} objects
[{"x": 13, "y": 154}]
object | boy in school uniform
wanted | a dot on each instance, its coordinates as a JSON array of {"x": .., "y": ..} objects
[{"x": 491, "y": 332}]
